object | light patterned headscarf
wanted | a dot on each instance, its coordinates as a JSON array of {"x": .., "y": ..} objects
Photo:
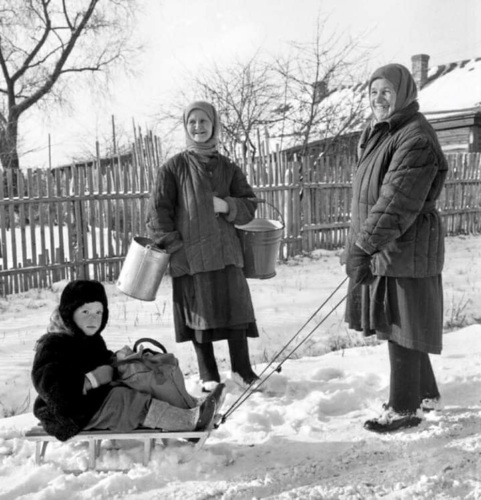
[
  {"x": 202, "y": 147},
  {"x": 403, "y": 82}
]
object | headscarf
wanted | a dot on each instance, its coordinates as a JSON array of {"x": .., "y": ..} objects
[
  {"x": 202, "y": 147},
  {"x": 403, "y": 82}
]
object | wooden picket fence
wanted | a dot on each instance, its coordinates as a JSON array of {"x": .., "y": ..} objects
[
  {"x": 315, "y": 198},
  {"x": 460, "y": 202},
  {"x": 78, "y": 221}
]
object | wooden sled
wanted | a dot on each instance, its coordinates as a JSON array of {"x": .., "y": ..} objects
[{"x": 95, "y": 437}]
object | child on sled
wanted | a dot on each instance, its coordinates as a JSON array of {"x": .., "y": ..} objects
[{"x": 73, "y": 373}]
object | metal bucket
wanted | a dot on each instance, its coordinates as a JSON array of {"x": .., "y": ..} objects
[
  {"x": 143, "y": 269},
  {"x": 260, "y": 240}
]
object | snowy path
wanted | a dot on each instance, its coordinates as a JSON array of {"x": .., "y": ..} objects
[{"x": 302, "y": 439}]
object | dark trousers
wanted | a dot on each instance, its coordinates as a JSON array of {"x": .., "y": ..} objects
[
  {"x": 123, "y": 410},
  {"x": 412, "y": 378},
  {"x": 239, "y": 358}
]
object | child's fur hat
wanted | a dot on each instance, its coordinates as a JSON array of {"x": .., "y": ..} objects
[{"x": 76, "y": 294}]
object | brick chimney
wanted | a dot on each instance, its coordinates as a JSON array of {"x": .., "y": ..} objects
[
  {"x": 320, "y": 90},
  {"x": 420, "y": 69}
]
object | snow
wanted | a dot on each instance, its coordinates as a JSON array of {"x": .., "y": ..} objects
[
  {"x": 343, "y": 111},
  {"x": 48, "y": 241},
  {"x": 455, "y": 90},
  {"x": 300, "y": 439}
]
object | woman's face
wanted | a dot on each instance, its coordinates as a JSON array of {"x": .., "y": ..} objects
[
  {"x": 199, "y": 127},
  {"x": 382, "y": 98},
  {"x": 89, "y": 317}
]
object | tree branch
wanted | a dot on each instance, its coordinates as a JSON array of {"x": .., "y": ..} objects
[
  {"x": 45, "y": 88},
  {"x": 23, "y": 68}
]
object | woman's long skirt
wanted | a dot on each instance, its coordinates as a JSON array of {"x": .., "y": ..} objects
[
  {"x": 212, "y": 306},
  {"x": 408, "y": 311}
]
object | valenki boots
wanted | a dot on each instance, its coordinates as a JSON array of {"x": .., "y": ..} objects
[
  {"x": 242, "y": 373},
  {"x": 208, "y": 370},
  {"x": 162, "y": 415}
]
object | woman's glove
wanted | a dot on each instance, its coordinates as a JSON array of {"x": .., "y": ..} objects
[{"x": 358, "y": 266}]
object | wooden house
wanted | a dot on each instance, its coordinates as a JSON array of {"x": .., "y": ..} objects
[{"x": 449, "y": 96}]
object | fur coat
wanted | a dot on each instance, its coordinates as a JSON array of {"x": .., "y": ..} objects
[{"x": 62, "y": 359}]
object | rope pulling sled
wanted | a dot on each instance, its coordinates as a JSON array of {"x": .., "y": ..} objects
[{"x": 254, "y": 386}]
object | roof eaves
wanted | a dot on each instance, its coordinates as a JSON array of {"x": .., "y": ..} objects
[{"x": 438, "y": 116}]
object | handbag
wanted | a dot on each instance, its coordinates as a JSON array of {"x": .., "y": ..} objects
[{"x": 153, "y": 372}]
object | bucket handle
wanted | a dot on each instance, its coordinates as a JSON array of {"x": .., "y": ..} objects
[{"x": 262, "y": 200}]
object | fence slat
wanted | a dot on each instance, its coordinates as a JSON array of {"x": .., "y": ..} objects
[{"x": 79, "y": 220}]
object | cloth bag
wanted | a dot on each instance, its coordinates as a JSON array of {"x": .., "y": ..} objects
[{"x": 153, "y": 372}]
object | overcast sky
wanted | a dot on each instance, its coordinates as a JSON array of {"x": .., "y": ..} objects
[
  {"x": 188, "y": 31},
  {"x": 184, "y": 35}
]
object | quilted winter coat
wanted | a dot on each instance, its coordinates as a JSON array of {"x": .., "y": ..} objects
[
  {"x": 399, "y": 177},
  {"x": 181, "y": 215}
]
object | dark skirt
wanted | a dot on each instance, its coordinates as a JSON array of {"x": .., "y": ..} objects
[
  {"x": 408, "y": 311},
  {"x": 214, "y": 305}
]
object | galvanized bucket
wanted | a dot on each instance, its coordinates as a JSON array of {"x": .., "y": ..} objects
[
  {"x": 143, "y": 269},
  {"x": 260, "y": 241}
]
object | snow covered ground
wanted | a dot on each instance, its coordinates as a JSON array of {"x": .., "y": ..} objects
[{"x": 302, "y": 438}]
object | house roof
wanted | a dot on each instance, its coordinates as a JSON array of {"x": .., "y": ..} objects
[
  {"x": 452, "y": 91},
  {"x": 343, "y": 110},
  {"x": 452, "y": 88}
]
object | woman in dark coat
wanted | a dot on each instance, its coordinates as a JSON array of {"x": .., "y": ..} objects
[
  {"x": 199, "y": 196},
  {"x": 72, "y": 374},
  {"x": 395, "y": 250}
]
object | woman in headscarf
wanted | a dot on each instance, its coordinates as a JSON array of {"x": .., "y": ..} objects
[
  {"x": 395, "y": 250},
  {"x": 199, "y": 196}
]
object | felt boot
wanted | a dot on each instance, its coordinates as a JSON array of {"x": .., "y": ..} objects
[
  {"x": 162, "y": 415},
  {"x": 242, "y": 373},
  {"x": 390, "y": 421}
]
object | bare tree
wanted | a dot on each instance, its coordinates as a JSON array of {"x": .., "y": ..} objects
[
  {"x": 311, "y": 93},
  {"x": 46, "y": 46},
  {"x": 322, "y": 96},
  {"x": 245, "y": 94}
]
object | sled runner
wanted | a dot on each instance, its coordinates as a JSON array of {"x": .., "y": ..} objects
[{"x": 94, "y": 438}]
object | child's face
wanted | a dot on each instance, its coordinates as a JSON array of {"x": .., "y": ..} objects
[{"x": 89, "y": 317}]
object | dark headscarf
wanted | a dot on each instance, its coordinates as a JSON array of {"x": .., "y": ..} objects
[
  {"x": 403, "y": 82},
  {"x": 202, "y": 147}
]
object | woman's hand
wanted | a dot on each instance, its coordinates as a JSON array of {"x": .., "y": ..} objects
[
  {"x": 170, "y": 242},
  {"x": 220, "y": 206},
  {"x": 358, "y": 266}
]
